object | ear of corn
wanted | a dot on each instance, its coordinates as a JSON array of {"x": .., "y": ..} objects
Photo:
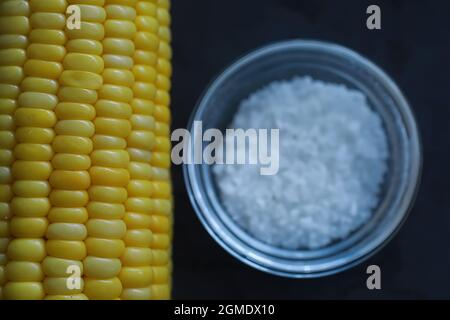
[{"x": 85, "y": 150}]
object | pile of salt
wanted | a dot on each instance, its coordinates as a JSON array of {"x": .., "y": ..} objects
[{"x": 333, "y": 158}]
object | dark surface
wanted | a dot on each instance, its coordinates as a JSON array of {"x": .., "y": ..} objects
[{"x": 413, "y": 47}]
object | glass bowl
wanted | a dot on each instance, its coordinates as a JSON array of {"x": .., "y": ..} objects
[{"x": 330, "y": 63}]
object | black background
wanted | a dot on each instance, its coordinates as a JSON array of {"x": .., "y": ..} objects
[{"x": 413, "y": 47}]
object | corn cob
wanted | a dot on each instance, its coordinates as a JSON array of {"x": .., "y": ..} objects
[{"x": 88, "y": 183}]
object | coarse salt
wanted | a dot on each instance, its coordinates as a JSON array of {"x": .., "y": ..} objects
[{"x": 333, "y": 159}]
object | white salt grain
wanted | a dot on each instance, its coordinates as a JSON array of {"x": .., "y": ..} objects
[{"x": 333, "y": 158}]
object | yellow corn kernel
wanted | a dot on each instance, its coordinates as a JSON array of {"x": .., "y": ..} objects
[
  {"x": 108, "y": 194},
  {"x": 31, "y": 189},
  {"x": 82, "y": 128},
  {"x": 33, "y": 152},
  {"x": 14, "y": 8},
  {"x": 14, "y": 25},
  {"x": 24, "y": 271},
  {"x": 8, "y": 41},
  {"x": 28, "y": 227},
  {"x": 141, "y": 205},
  {"x": 147, "y": 23},
  {"x": 9, "y": 91},
  {"x": 23, "y": 291},
  {"x": 12, "y": 57},
  {"x": 121, "y": 12},
  {"x": 160, "y": 292},
  {"x": 146, "y": 8},
  {"x": 114, "y": 127},
  {"x": 70, "y": 215},
  {"x": 104, "y": 210},
  {"x": 118, "y": 46},
  {"x": 136, "y": 277},
  {"x": 67, "y": 231},
  {"x": 139, "y": 155},
  {"x": 88, "y": 30},
  {"x": 47, "y": 52},
  {"x": 116, "y": 61},
  {"x": 119, "y": 29},
  {"x": 118, "y": 77},
  {"x": 143, "y": 107},
  {"x": 74, "y": 162},
  {"x": 101, "y": 268},
  {"x": 70, "y": 180},
  {"x": 162, "y": 114},
  {"x": 161, "y": 160},
  {"x": 108, "y": 142},
  {"x": 110, "y": 158},
  {"x": 137, "y": 293},
  {"x": 42, "y": 99},
  {"x": 160, "y": 224},
  {"x": 140, "y": 170},
  {"x": 138, "y": 237},
  {"x": 141, "y": 139},
  {"x": 81, "y": 79},
  {"x": 71, "y": 110},
  {"x": 32, "y": 250},
  {"x": 34, "y": 135},
  {"x": 115, "y": 177},
  {"x": 48, "y": 6},
  {"x": 92, "y": 13},
  {"x": 69, "y": 199},
  {"x": 105, "y": 248},
  {"x": 30, "y": 207},
  {"x": 40, "y": 86},
  {"x": 66, "y": 249},
  {"x": 160, "y": 241},
  {"x": 106, "y": 229},
  {"x": 58, "y": 286},
  {"x": 31, "y": 170},
  {"x": 135, "y": 220},
  {"x": 87, "y": 46},
  {"x": 47, "y": 36},
  {"x": 115, "y": 93},
  {"x": 43, "y": 69},
  {"x": 102, "y": 289},
  {"x": 83, "y": 62},
  {"x": 72, "y": 144},
  {"x": 57, "y": 267},
  {"x": 161, "y": 206},
  {"x": 138, "y": 188},
  {"x": 80, "y": 95},
  {"x": 161, "y": 274},
  {"x": 114, "y": 109},
  {"x": 134, "y": 256}
]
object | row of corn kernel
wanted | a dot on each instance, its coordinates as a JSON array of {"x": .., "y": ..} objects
[
  {"x": 82, "y": 80},
  {"x": 137, "y": 273},
  {"x": 34, "y": 120},
  {"x": 13, "y": 42},
  {"x": 162, "y": 207},
  {"x": 110, "y": 160},
  {"x": 70, "y": 179}
]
